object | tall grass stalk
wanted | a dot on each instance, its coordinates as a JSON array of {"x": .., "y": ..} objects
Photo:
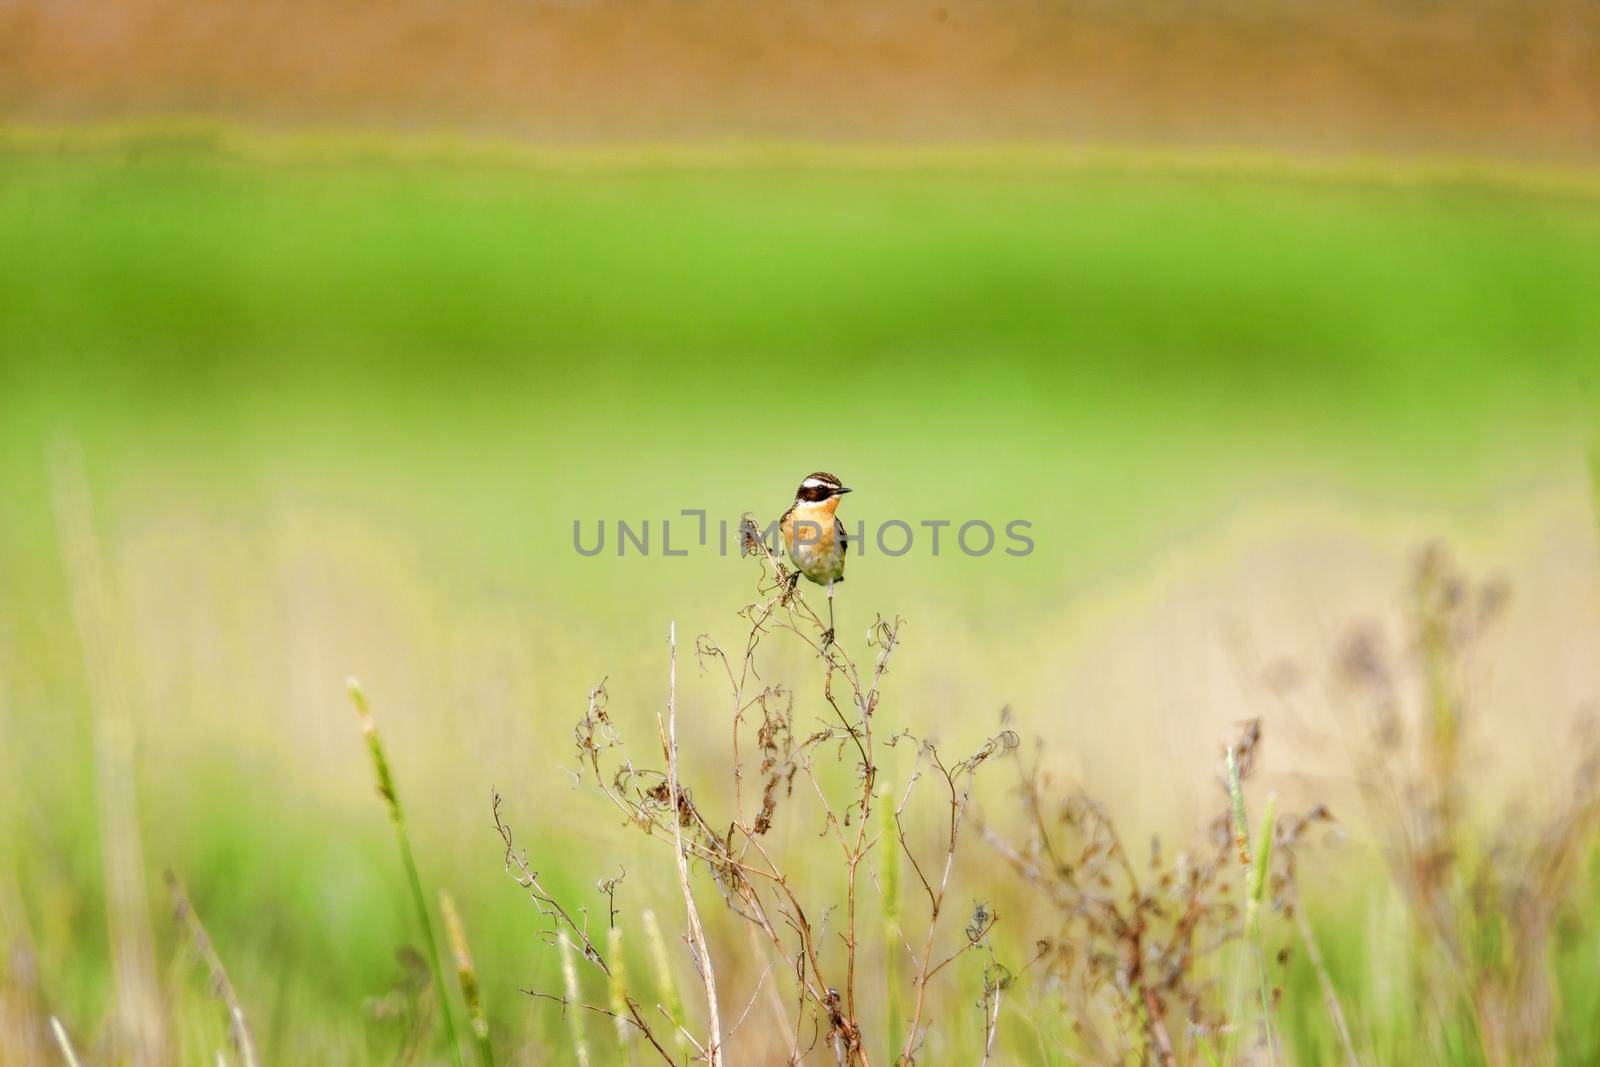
[
  {"x": 892, "y": 935},
  {"x": 667, "y": 985},
  {"x": 391, "y": 800},
  {"x": 467, "y": 975},
  {"x": 574, "y": 1005},
  {"x": 221, "y": 984},
  {"x": 617, "y": 983},
  {"x": 1255, "y": 884},
  {"x": 63, "y": 1042},
  {"x": 1330, "y": 995},
  {"x": 140, "y": 1021},
  {"x": 668, "y": 727}
]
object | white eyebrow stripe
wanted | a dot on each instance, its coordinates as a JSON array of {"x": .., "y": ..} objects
[{"x": 813, "y": 483}]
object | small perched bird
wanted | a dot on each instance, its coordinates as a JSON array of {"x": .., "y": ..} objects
[{"x": 815, "y": 537}]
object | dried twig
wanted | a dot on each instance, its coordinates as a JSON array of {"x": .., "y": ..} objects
[
  {"x": 1330, "y": 995},
  {"x": 1464, "y": 882},
  {"x": 185, "y": 914},
  {"x": 750, "y": 878},
  {"x": 1132, "y": 936},
  {"x": 516, "y": 862},
  {"x": 63, "y": 1042},
  {"x": 697, "y": 934}
]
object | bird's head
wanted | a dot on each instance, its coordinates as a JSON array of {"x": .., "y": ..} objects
[{"x": 819, "y": 488}]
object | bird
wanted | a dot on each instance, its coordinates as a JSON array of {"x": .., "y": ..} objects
[{"x": 815, "y": 537}]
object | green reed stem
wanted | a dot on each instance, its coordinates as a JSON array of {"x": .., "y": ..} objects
[
  {"x": 467, "y": 975},
  {"x": 889, "y": 837},
  {"x": 1255, "y": 885},
  {"x": 391, "y": 800}
]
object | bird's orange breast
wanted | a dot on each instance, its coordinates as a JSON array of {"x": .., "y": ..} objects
[{"x": 811, "y": 525}]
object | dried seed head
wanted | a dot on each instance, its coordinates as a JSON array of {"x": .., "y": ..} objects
[
  {"x": 619, "y": 987},
  {"x": 569, "y": 976},
  {"x": 1241, "y": 824},
  {"x": 466, "y": 974},
  {"x": 666, "y": 985}
]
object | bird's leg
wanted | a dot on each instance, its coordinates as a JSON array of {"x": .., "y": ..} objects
[{"x": 827, "y": 637}]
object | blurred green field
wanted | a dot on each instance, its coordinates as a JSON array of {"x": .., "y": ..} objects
[{"x": 340, "y": 402}]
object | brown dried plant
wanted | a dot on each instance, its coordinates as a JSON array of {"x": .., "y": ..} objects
[
  {"x": 1483, "y": 891},
  {"x": 221, "y": 985},
  {"x": 779, "y": 769},
  {"x": 1137, "y": 956}
]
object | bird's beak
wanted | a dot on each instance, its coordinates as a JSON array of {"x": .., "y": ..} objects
[{"x": 845, "y": 489}]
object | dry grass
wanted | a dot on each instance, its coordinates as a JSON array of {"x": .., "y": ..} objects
[
  {"x": 184, "y": 915},
  {"x": 1151, "y": 959},
  {"x": 846, "y": 891},
  {"x": 1145, "y": 948},
  {"x": 1160, "y": 958},
  {"x": 1484, "y": 888},
  {"x": 139, "y": 1032},
  {"x": 1490, "y": 77},
  {"x": 724, "y": 837}
]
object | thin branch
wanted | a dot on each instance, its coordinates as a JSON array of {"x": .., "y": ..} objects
[
  {"x": 63, "y": 1042},
  {"x": 184, "y": 911},
  {"x": 1329, "y": 993},
  {"x": 697, "y": 934}
]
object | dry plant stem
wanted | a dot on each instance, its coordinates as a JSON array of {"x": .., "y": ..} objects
[
  {"x": 774, "y": 1000},
  {"x": 743, "y": 869},
  {"x": 1158, "y": 1029},
  {"x": 1464, "y": 882},
  {"x": 633, "y": 1018},
  {"x": 140, "y": 1024},
  {"x": 528, "y": 879},
  {"x": 237, "y": 1027},
  {"x": 1149, "y": 1003},
  {"x": 1308, "y": 936},
  {"x": 991, "y": 1019},
  {"x": 63, "y": 1042},
  {"x": 755, "y": 994},
  {"x": 391, "y": 799},
  {"x": 860, "y": 733},
  {"x": 697, "y": 934},
  {"x": 1160, "y": 1040},
  {"x": 760, "y": 616},
  {"x": 1132, "y": 948},
  {"x": 926, "y": 968}
]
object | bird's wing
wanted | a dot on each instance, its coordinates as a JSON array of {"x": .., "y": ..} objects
[
  {"x": 844, "y": 542},
  {"x": 786, "y": 530}
]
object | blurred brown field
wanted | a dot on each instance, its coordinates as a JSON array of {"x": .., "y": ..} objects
[{"x": 1485, "y": 77}]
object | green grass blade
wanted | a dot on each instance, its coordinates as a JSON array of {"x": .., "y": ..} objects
[{"x": 391, "y": 799}]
